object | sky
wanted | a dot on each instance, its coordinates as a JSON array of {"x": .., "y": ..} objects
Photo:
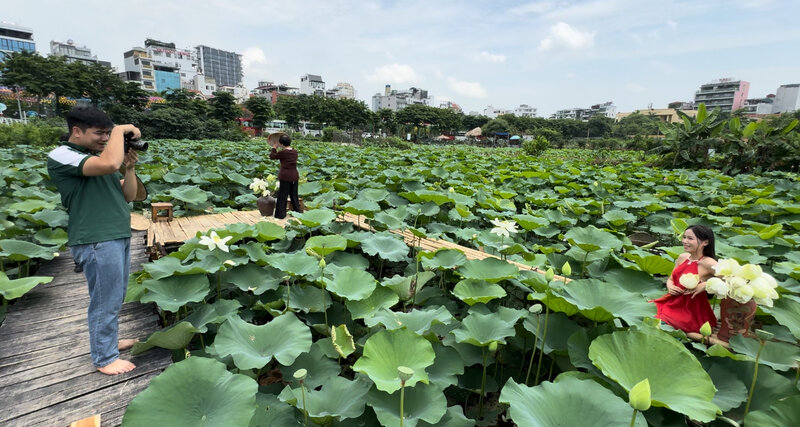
[{"x": 550, "y": 55}]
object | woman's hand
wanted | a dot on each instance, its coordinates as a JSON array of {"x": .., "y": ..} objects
[
  {"x": 674, "y": 289},
  {"x": 701, "y": 288}
]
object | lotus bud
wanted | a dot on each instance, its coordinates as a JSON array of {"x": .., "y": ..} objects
[
  {"x": 639, "y": 396},
  {"x": 300, "y": 374},
  {"x": 566, "y": 269},
  {"x": 56, "y": 254},
  {"x": 405, "y": 373},
  {"x": 690, "y": 281},
  {"x": 549, "y": 274},
  {"x": 322, "y": 263},
  {"x": 705, "y": 330},
  {"x": 310, "y": 252},
  {"x": 493, "y": 346},
  {"x": 764, "y": 335},
  {"x": 229, "y": 262},
  {"x": 535, "y": 309}
]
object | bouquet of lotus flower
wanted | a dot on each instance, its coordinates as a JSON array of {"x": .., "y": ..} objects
[
  {"x": 740, "y": 288},
  {"x": 742, "y": 283}
]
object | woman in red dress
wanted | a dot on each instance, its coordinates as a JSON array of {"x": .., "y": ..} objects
[{"x": 688, "y": 309}]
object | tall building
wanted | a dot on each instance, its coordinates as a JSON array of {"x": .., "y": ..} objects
[
  {"x": 606, "y": 109},
  {"x": 398, "y": 99},
  {"x": 222, "y": 66},
  {"x": 312, "y": 84},
  {"x": 273, "y": 91},
  {"x": 727, "y": 94},
  {"x": 159, "y": 66},
  {"x": 787, "y": 99},
  {"x": 75, "y": 53},
  {"x": 15, "y": 38},
  {"x": 525, "y": 110},
  {"x": 342, "y": 90}
]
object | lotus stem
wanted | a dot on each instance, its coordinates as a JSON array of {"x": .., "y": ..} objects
[
  {"x": 202, "y": 343},
  {"x": 219, "y": 286},
  {"x": 402, "y": 401},
  {"x": 305, "y": 409},
  {"x": 633, "y": 418},
  {"x": 544, "y": 340},
  {"x": 753, "y": 383},
  {"x": 483, "y": 384},
  {"x": 535, "y": 342},
  {"x": 552, "y": 364},
  {"x": 796, "y": 375}
]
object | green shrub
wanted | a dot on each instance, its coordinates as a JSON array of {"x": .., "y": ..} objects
[
  {"x": 35, "y": 133},
  {"x": 535, "y": 146}
]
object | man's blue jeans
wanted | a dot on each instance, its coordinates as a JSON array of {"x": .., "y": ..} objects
[{"x": 106, "y": 266}]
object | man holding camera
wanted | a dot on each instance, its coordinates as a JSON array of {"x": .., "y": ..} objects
[{"x": 86, "y": 170}]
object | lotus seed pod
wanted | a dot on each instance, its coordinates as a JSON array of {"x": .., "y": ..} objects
[
  {"x": 493, "y": 346},
  {"x": 405, "y": 373},
  {"x": 300, "y": 374},
  {"x": 535, "y": 309},
  {"x": 549, "y": 274},
  {"x": 705, "y": 329},
  {"x": 764, "y": 335},
  {"x": 639, "y": 396},
  {"x": 566, "y": 269}
]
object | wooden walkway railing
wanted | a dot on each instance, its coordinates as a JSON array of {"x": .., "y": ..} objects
[{"x": 46, "y": 374}]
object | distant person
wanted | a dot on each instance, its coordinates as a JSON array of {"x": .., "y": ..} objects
[
  {"x": 288, "y": 176},
  {"x": 86, "y": 170},
  {"x": 688, "y": 309}
]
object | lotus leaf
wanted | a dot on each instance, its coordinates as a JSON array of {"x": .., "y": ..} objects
[
  {"x": 443, "y": 259},
  {"x": 677, "y": 380},
  {"x": 618, "y": 217},
  {"x": 31, "y": 206},
  {"x": 267, "y": 231},
  {"x": 253, "y": 347},
  {"x": 337, "y": 399},
  {"x": 407, "y": 287},
  {"x": 271, "y": 412},
  {"x": 13, "y": 289},
  {"x": 49, "y": 236},
  {"x": 473, "y": 291},
  {"x": 295, "y": 263},
  {"x": 307, "y": 298},
  {"x": 342, "y": 340},
  {"x": 786, "y": 311},
  {"x": 387, "y": 246},
  {"x": 217, "y": 397},
  {"x": 425, "y": 402},
  {"x": 189, "y": 194},
  {"x": 446, "y": 366},
  {"x": 351, "y": 283},
  {"x": 381, "y": 298},
  {"x": 419, "y": 321},
  {"x": 592, "y": 239},
  {"x": 559, "y": 329},
  {"x": 361, "y": 206},
  {"x": 731, "y": 391},
  {"x": 215, "y": 313},
  {"x": 315, "y": 217},
  {"x": 569, "y": 402},
  {"x": 54, "y": 218},
  {"x": 785, "y": 412},
  {"x": 175, "y": 337},
  {"x": 777, "y": 355},
  {"x": 481, "y": 329},
  {"x": 250, "y": 277},
  {"x": 386, "y": 350},
  {"x": 601, "y": 302},
  {"x": 491, "y": 270},
  {"x": 19, "y": 250},
  {"x": 172, "y": 293},
  {"x": 319, "y": 366}
]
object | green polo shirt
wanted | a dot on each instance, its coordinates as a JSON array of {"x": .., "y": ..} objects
[{"x": 96, "y": 205}]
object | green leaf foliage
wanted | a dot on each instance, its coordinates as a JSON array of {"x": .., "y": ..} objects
[{"x": 386, "y": 350}]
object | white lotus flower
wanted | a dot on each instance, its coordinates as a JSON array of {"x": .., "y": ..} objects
[
  {"x": 229, "y": 262},
  {"x": 259, "y": 186},
  {"x": 717, "y": 286},
  {"x": 504, "y": 228},
  {"x": 214, "y": 241},
  {"x": 742, "y": 294},
  {"x": 727, "y": 267},
  {"x": 750, "y": 271},
  {"x": 690, "y": 281}
]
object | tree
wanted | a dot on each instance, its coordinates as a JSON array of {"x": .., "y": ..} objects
[
  {"x": 636, "y": 124},
  {"x": 223, "y": 107},
  {"x": 447, "y": 120},
  {"x": 288, "y": 108},
  {"x": 97, "y": 82},
  {"x": 39, "y": 76},
  {"x": 600, "y": 125},
  {"x": 262, "y": 111},
  {"x": 470, "y": 122},
  {"x": 387, "y": 121},
  {"x": 416, "y": 116},
  {"x": 495, "y": 126}
]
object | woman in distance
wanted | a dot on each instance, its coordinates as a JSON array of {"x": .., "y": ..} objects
[
  {"x": 685, "y": 305},
  {"x": 288, "y": 176}
]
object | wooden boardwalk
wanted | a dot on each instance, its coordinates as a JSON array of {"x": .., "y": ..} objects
[{"x": 46, "y": 373}]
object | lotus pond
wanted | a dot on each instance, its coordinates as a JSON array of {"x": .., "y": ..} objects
[{"x": 323, "y": 323}]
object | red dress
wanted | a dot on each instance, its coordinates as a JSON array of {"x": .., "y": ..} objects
[{"x": 682, "y": 311}]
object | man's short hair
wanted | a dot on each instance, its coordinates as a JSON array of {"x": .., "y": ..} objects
[
  {"x": 285, "y": 140},
  {"x": 88, "y": 117}
]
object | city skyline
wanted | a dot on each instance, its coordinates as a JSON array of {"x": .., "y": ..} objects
[{"x": 549, "y": 55}]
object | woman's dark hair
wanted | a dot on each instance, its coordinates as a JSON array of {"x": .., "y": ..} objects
[
  {"x": 704, "y": 233},
  {"x": 285, "y": 140}
]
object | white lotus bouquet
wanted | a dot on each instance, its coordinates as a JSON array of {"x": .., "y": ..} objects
[
  {"x": 742, "y": 283},
  {"x": 263, "y": 186}
]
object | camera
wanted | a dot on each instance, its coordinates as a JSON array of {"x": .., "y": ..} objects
[{"x": 136, "y": 144}]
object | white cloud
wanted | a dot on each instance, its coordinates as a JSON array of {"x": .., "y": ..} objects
[
  {"x": 485, "y": 56},
  {"x": 254, "y": 62},
  {"x": 562, "y": 35},
  {"x": 468, "y": 89},
  {"x": 393, "y": 73}
]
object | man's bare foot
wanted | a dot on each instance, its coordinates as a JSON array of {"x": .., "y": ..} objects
[
  {"x": 127, "y": 343},
  {"x": 116, "y": 367}
]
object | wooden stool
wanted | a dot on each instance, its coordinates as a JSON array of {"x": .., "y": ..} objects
[{"x": 161, "y": 206}]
